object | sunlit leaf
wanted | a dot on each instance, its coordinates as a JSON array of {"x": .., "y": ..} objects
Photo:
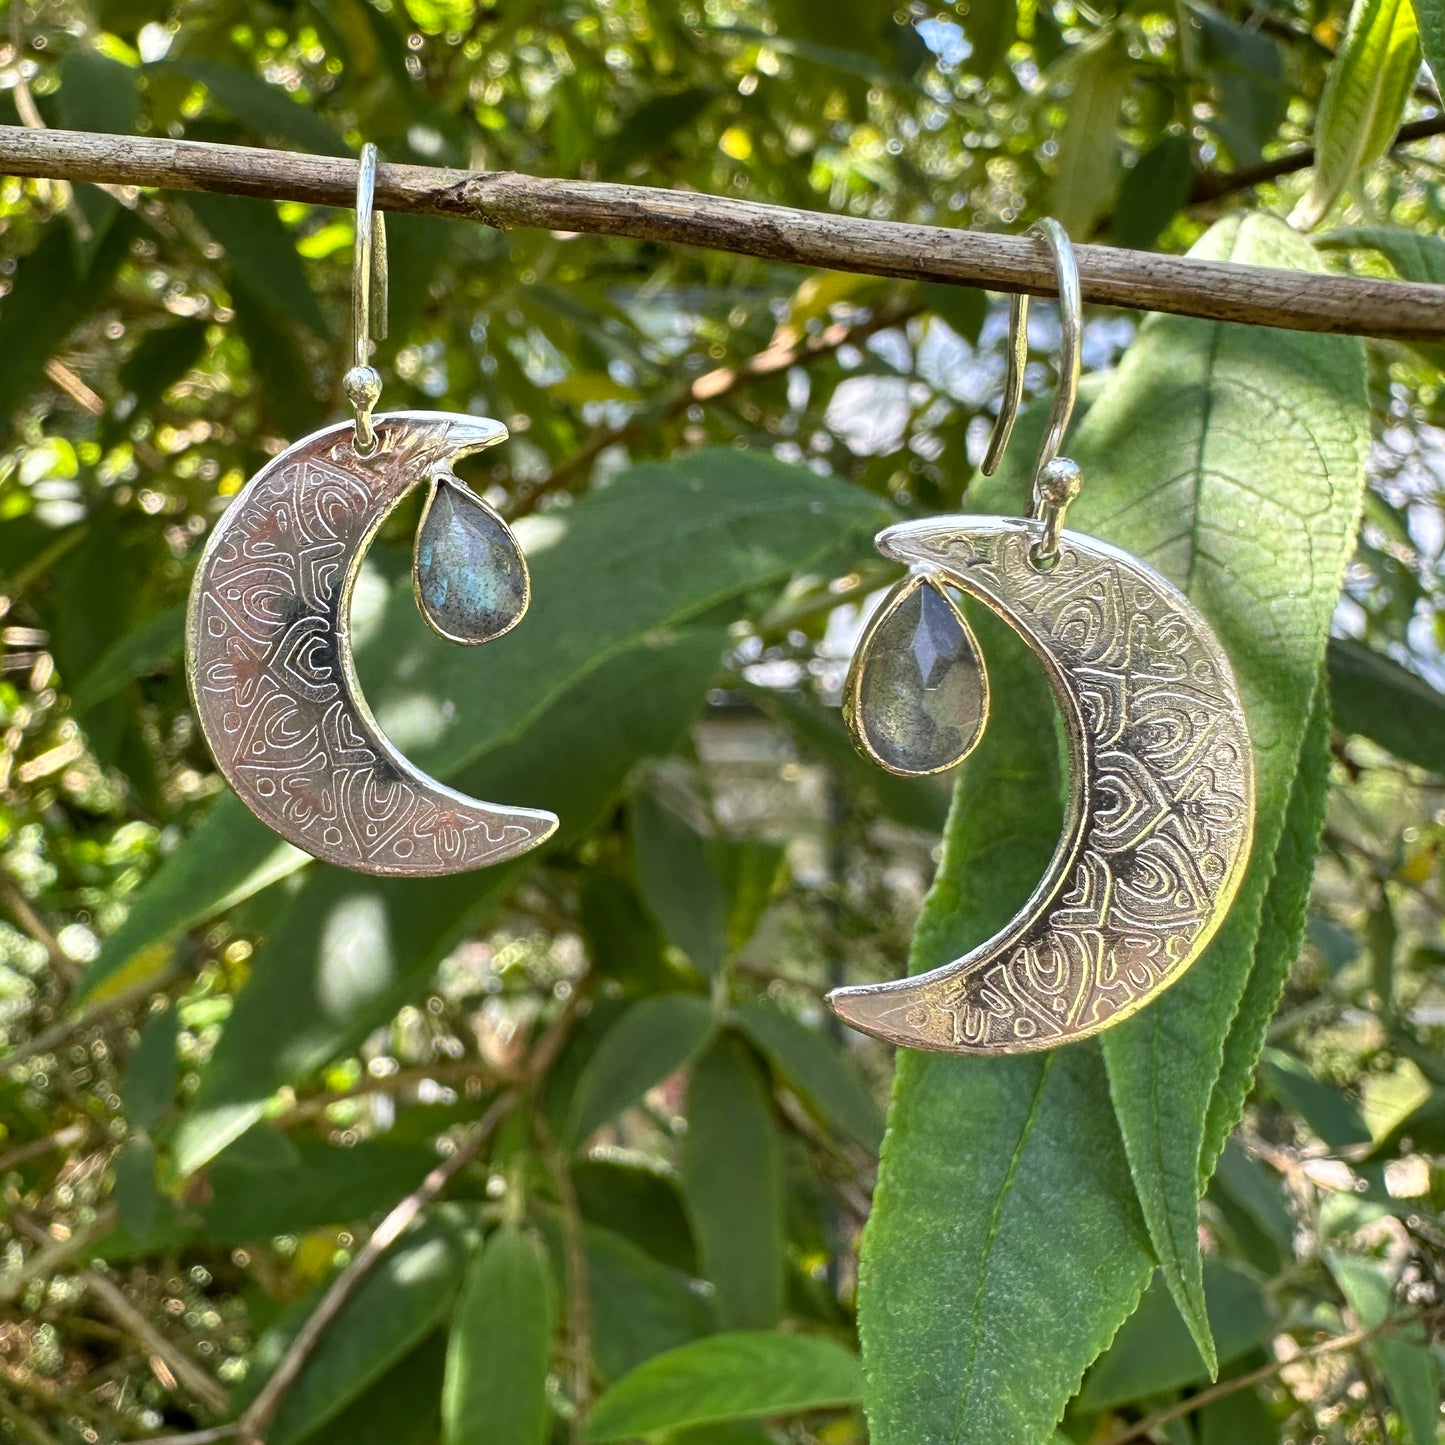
[
  {"x": 1363, "y": 101},
  {"x": 728, "y": 1377}
]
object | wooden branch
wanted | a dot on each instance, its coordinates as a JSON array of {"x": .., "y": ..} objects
[
  {"x": 252, "y": 1426},
  {"x": 1214, "y": 290},
  {"x": 1214, "y": 186},
  {"x": 187, "y": 1373}
]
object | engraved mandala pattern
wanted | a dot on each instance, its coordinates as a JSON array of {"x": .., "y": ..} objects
[
  {"x": 1162, "y": 800},
  {"x": 272, "y": 679}
]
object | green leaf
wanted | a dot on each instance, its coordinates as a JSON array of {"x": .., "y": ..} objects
[
  {"x": 262, "y": 256},
  {"x": 652, "y": 126},
  {"x": 750, "y": 870},
  {"x": 1240, "y": 1418},
  {"x": 624, "y": 942},
  {"x": 499, "y": 1346},
  {"x": 1373, "y": 696},
  {"x": 1250, "y": 1198},
  {"x": 1005, "y": 1243},
  {"x": 1402, "y": 1355},
  {"x": 137, "y": 1200},
  {"x": 738, "y": 1376},
  {"x": 663, "y": 544},
  {"x": 651, "y": 1041},
  {"x": 815, "y": 1068},
  {"x": 1087, "y": 168},
  {"x": 733, "y": 1179},
  {"x": 311, "y": 1185},
  {"x": 1283, "y": 920},
  {"x": 50, "y": 293},
  {"x": 1222, "y": 453},
  {"x": 1154, "y": 1352},
  {"x": 991, "y": 27},
  {"x": 678, "y": 881},
  {"x": 1245, "y": 67},
  {"x": 1414, "y": 255},
  {"x": 401, "y": 1408},
  {"x": 1364, "y": 98},
  {"x": 157, "y": 642},
  {"x": 161, "y": 358},
  {"x": 1430, "y": 15},
  {"x": 640, "y": 1307},
  {"x": 395, "y": 1308},
  {"x": 1332, "y": 1117},
  {"x": 640, "y": 1203},
  {"x": 150, "y": 1081},
  {"x": 267, "y": 111},
  {"x": 347, "y": 951},
  {"x": 97, "y": 93},
  {"x": 1153, "y": 192},
  {"x": 288, "y": 388}
]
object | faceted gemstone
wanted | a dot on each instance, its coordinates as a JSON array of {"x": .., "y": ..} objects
[
  {"x": 918, "y": 692},
  {"x": 469, "y": 574}
]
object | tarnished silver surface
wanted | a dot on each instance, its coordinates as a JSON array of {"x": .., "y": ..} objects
[
  {"x": 1161, "y": 798},
  {"x": 268, "y": 657}
]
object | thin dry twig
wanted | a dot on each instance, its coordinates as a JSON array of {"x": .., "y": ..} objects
[
  {"x": 48, "y": 1039},
  {"x": 31, "y": 922},
  {"x": 1111, "y": 276},
  {"x": 251, "y": 1428},
  {"x": 188, "y": 1374},
  {"x": 574, "y": 1254},
  {"x": 449, "y": 1071},
  {"x": 1141, "y": 1428},
  {"x": 252, "y": 1425},
  {"x": 54, "y": 1253}
]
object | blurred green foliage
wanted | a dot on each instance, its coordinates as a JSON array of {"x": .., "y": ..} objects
[{"x": 226, "y": 1066}]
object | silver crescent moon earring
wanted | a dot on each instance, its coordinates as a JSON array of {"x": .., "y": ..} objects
[
  {"x": 1161, "y": 789},
  {"x": 268, "y": 631}
]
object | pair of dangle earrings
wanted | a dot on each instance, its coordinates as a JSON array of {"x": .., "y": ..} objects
[
  {"x": 1160, "y": 802},
  {"x": 1160, "y": 794},
  {"x": 268, "y": 631}
]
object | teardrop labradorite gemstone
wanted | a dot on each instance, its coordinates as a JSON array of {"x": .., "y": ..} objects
[
  {"x": 469, "y": 574},
  {"x": 918, "y": 691}
]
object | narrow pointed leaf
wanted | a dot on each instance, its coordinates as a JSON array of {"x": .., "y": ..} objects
[
  {"x": 1283, "y": 918},
  {"x": 396, "y": 1307},
  {"x": 150, "y": 1081},
  {"x": 500, "y": 1345},
  {"x": 733, "y": 1180},
  {"x": 1373, "y": 696},
  {"x": 1430, "y": 16},
  {"x": 1403, "y": 1356},
  {"x": 1364, "y": 98},
  {"x": 261, "y": 253},
  {"x": 815, "y": 1068},
  {"x": 1154, "y": 1351},
  {"x": 1252, "y": 468},
  {"x": 652, "y": 1040},
  {"x": 737, "y": 1376}
]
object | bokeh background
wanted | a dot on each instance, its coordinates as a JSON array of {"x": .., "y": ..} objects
[{"x": 223, "y": 1065}]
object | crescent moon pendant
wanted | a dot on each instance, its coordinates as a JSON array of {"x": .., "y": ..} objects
[
  {"x": 1160, "y": 811},
  {"x": 269, "y": 661}
]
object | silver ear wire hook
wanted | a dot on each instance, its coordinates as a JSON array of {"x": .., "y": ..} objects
[
  {"x": 1056, "y": 478},
  {"x": 362, "y": 382}
]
